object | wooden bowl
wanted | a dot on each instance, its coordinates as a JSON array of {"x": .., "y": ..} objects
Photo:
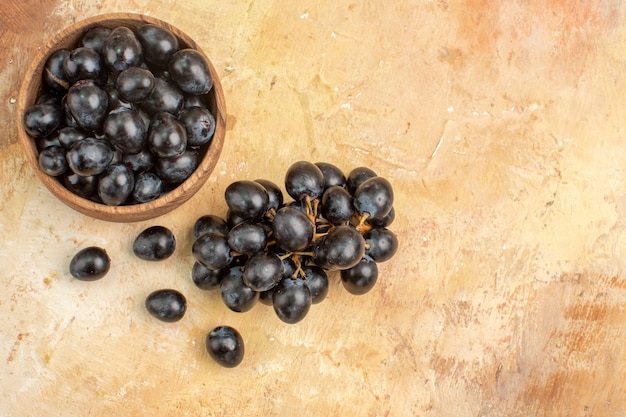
[{"x": 209, "y": 154}]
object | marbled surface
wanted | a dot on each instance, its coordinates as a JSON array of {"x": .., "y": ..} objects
[{"x": 501, "y": 126}]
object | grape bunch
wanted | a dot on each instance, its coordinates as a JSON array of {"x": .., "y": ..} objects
[
  {"x": 122, "y": 117},
  {"x": 280, "y": 251}
]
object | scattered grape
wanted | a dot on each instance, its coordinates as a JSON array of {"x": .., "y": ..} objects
[
  {"x": 225, "y": 345},
  {"x": 90, "y": 264},
  {"x": 166, "y": 305}
]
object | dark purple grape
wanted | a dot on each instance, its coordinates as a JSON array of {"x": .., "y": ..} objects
[
  {"x": 88, "y": 105},
  {"x": 247, "y": 199},
  {"x": 205, "y": 278},
  {"x": 380, "y": 244},
  {"x": 121, "y": 50},
  {"x": 90, "y": 264},
  {"x": 134, "y": 84},
  {"x": 164, "y": 97},
  {"x": 53, "y": 74},
  {"x": 332, "y": 175},
  {"x": 232, "y": 219},
  {"x": 225, "y": 345},
  {"x": 247, "y": 238},
  {"x": 199, "y": 124},
  {"x": 361, "y": 278},
  {"x": 236, "y": 295},
  {"x": 158, "y": 44},
  {"x": 304, "y": 179},
  {"x": 94, "y": 38},
  {"x": 375, "y": 197},
  {"x": 274, "y": 193},
  {"x": 89, "y": 156},
  {"x": 317, "y": 281},
  {"x": 190, "y": 71},
  {"x": 85, "y": 64},
  {"x": 86, "y": 187},
  {"x": 211, "y": 250},
  {"x": 209, "y": 223},
  {"x": 320, "y": 255},
  {"x": 344, "y": 247},
  {"x": 166, "y": 135},
  {"x": 116, "y": 184},
  {"x": 177, "y": 169},
  {"x": 291, "y": 300},
  {"x": 126, "y": 130},
  {"x": 155, "y": 243},
  {"x": 166, "y": 305},
  {"x": 42, "y": 119},
  {"x": 140, "y": 162},
  {"x": 357, "y": 176},
  {"x": 192, "y": 100},
  {"x": 52, "y": 160},
  {"x": 292, "y": 229},
  {"x": 148, "y": 187},
  {"x": 263, "y": 271},
  {"x": 69, "y": 135},
  {"x": 337, "y": 205}
]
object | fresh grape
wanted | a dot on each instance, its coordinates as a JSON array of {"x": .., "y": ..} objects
[
  {"x": 88, "y": 105},
  {"x": 357, "y": 176},
  {"x": 53, "y": 74},
  {"x": 166, "y": 135},
  {"x": 90, "y": 264},
  {"x": 212, "y": 250},
  {"x": 361, "y": 278},
  {"x": 374, "y": 197},
  {"x": 134, "y": 84},
  {"x": 247, "y": 199},
  {"x": 292, "y": 229},
  {"x": 155, "y": 243},
  {"x": 148, "y": 187},
  {"x": 116, "y": 184},
  {"x": 121, "y": 49},
  {"x": 381, "y": 244},
  {"x": 332, "y": 175},
  {"x": 291, "y": 300},
  {"x": 236, "y": 295},
  {"x": 263, "y": 271},
  {"x": 167, "y": 305},
  {"x": 205, "y": 278},
  {"x": 52, "y": 160},
  {"x": 42, "y": 119},
  {"x": 209, "y": 223},
  {"x": 159, "y": 44},
  {"x": 225, "y": 345},
  {"x": 89, "y": 156},
  {"x": 199, "y": 124},
  {"x": 177, "y": 169},
  {"x": 304, "y": 179},
  {"x": 126, "y": 130},
  {"x": 190, "y": 72},
  {"x": 247, "y": 238},
  {"x": 344, "y": 247},
  {"x": 317, "y": 281},
  {"x": 84, "y": 64},
  {"x": 337, "y": 205}
]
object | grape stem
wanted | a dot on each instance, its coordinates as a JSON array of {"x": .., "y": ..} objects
[{"x": 361, "y": 226}]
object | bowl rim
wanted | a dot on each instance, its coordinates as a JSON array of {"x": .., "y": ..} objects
[{"x": 31, "y": 85}]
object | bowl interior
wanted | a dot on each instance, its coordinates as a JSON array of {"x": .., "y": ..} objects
[{"x": 32, "y": 87}]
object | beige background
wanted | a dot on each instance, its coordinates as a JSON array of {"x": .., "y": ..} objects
[{"x": 501, "y": 126}]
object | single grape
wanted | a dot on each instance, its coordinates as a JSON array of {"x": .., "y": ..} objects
[
  {"x": 155, "y": 243},
  {"x": 304, "y": 179},
  {"x": 357, "y": 176},
  {"x": 375, "y": 197},
  {"x": 89, "y": 156},
  {"x": 88, "y": 104},
  {"x": 121, "y": 50},
  {"x": 190, "y": 71},
  {"x": 232, "y": 219},
  {"x": 166, "y": 135},
  {"x": 344, "y": 246},
  {"x": 199, "y": 124},
  {"x": 126, "y": 130},
  {"x": 47, "y": 141},
  {"x": 167, "y": 305},
  {"x": 384, "y": 221},
  {"x": 94, "y": 38},
  {"x": 291, "y": 300},
  {"x": 263, "y": 271},
  {"x": 159, "y": 44},
  {"x": 205, "y": 278},
  {"x": 292, "y": 229},
  {"x": 211, "y": 250},
  {"x": 247, "y": 199},
  {"x": 134, "y": 84},
  {"x": 225, "y": 345},
  {"x": 84, "y": 64},
  {"x": 317, "y": 281},
  {"x": 337, "y": 205},
  {"x": 236, "y": 295},
  {"x": 90, "y": 264},
  {"x": 381, "y": 244},
  {"x": 148, "y": 187},
  {"x": 177, "y": 169},
  {"x": 43, "y": 119},
  {"x": 332, "y": 175},
  {"x": 139, "y": 162},
  {"x": 69, "y": 135},
  {"x": 361, "y": 278},
  {"x": 209, "y": 223},
  {"x": 247, "y": 238},
  {"x": 52, "y": 160},
  {"x": 116, "y": 184}
]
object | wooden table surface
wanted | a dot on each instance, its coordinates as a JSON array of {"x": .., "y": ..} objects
[{"x": 501, "y": 126}]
